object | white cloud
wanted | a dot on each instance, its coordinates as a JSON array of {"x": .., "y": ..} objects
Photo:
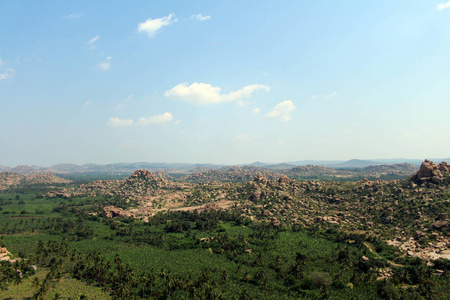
[
  {"x": 442, "y": 6},
  {"x": 332, "y": 95},
  {"x": 203, "y": 93},
  {"x": 177, "y": 122},
  {"x": 200, "y": 17},
  {"x": 8, "y": 73},
  {"x": 323, "y": 96},
  {"x": 87, "y": 103},
  {"x": 282, "y": 111},
  {"x": 109, "y": 57},
  {"x": 123, "y": 102},
  {"x": 1, "y": 62},
  {"x": 152, "y": 26},
  {"x": 116, "y": 122},
  {"x": 91, "y": 42},
  {"x": 105, "y": 66},
  {"x": 256, "y": 110},
  {"x": 73, "y": 16},
  {"x": 158, "y": 119}
]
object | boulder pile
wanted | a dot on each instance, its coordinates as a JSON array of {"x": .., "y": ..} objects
[{"x": 431, "y": 172}]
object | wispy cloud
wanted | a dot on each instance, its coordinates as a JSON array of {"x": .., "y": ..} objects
[
  {"x": 157, "y": 119},
  {"x": 87, "y": 103},
  {"x": 442, "y": 6},
  {"x": 91, "y": 42},
  {"x": 282, "y": 111},
  {"x": 8, "y": 73},
  {"x": 332, "y": 95},
  {"x": 152, "y": 26},
  {"x": 1, "y": 62},
  {"x": 105, "y": 66},
  {"x": 256, "y": 110},
  {"x": 324, "y": 96},
  {"x": 203, "y": 93},
  {"x": 124, "y": 102},
  {"x": 73, "y": 16},
  {"x": 116, "y": 122},
  {"x": 200, "y": 17}
]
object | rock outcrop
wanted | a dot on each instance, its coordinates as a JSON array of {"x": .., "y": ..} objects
[
  {"x": 111, "y": 211},
  {"x": 431, "y": 172}
]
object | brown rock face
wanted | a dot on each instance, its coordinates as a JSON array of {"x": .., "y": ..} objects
[
  {"x": 141, "y": 174},
  {"x": 111, "y": 211},
  {"x": 431, "y": 172}
]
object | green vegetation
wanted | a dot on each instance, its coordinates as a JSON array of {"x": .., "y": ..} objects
[{"x": 216, "y": 254}]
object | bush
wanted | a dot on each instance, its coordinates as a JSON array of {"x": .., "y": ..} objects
[{"x": 317, "y": 280}]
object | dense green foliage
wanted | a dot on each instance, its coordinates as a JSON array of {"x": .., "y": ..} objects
[{"x": 208, "y": 255}]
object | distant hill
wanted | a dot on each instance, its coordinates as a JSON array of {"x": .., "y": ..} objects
[
  {"x": 10, "y": 179},
  {"x": 279, "y": 167},
  {"x": 230, "y": 174},
  {"x": 24, "y": 170},
  {"x": 316, "y": 172},
  {"x": 190, "y": 168},
  {"x": 4, "y": 168},
  {"x": 355, "y": 163},
  {"x": 258, "y": 164}
]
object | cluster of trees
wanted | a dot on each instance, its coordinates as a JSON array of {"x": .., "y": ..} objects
[{"x": 75, "y": 228}]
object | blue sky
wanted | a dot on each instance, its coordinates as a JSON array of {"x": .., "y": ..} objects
[{"x": 223, "y": 81}]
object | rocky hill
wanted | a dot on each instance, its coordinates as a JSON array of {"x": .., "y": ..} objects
[
  {"x": 241, "y": 174},
  {"x": 24, "y": 170},
  {"x": 316, "y": 172},
  {"x": 229, "y": 174},
  {"x": 431, "y": 172},
  {"x": 11, "y": 180}
]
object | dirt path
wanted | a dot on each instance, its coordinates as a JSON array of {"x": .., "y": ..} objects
[{"x": 220, "y": 204}]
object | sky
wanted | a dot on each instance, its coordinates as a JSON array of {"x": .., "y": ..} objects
[{"x": 225, "y": 82}]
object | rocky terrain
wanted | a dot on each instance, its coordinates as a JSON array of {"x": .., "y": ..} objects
[
  {"x": 413, "y": 213},
  {"x": 10, "y": 179},
  {"x": 229, "y": 174},
  {"x": 241, "y": 174}
]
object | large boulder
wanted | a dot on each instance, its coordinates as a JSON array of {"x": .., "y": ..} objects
[
  {"x": 440, "y": 224},
  {"x": 431, "y": 172}
]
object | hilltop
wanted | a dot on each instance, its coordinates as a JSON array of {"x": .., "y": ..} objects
[{"x": 10, "y": 179}]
